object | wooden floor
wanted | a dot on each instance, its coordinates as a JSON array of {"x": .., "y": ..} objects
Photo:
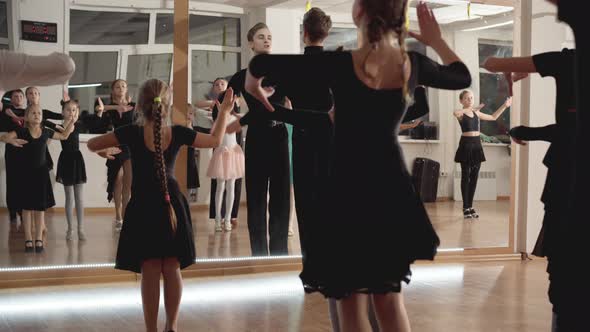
[
  {"x": 493, "y": 296},
  {"x": 491, "y": 230}
]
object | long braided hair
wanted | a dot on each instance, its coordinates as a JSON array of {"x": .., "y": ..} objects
[
  {"x": 385, "y": 16},
  {"x": 154, "y": 105}
]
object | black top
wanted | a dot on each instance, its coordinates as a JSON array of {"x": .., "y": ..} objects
[
  {"x": 73, "y": 142},
  {"x": 144, "y": 175},
  {"x": 469, "y": 123},
  {"x": 34, "y": 152},
  {"x": 316, "y": 95},
  {"x": 355, "y": 255},
  {"x": 112, "y": 120},
  {"x": 561, "y": 66},
  {"x": 255, "y": 108},
  {"x": 420, "y": 106}
]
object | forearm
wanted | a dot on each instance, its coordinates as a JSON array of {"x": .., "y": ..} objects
[
  {"x": 446, "y": 54},
  {"x": 300, "y": 117},
  {"x": 218, "y": 129},
  {"x": 499, "y": 112},
  {"x": 205, "y": 103}
]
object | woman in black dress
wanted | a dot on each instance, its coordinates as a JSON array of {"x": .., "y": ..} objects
[
  {"x": 157, "y": 236},
  {"x": 365, "y": 249},
  {"x": 118, "y": 112}
]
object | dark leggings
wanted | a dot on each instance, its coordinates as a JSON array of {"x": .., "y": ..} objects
[{"x": 469, "y": 175}]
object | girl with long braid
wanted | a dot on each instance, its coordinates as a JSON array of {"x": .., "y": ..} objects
[
  {"x": 367, "y": 252},
  {"x": 157, "y": 237}
]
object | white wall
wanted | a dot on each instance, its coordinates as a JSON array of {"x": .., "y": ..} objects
[{"x": 546, "y": 35}]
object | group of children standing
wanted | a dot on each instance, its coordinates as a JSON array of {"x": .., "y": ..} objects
[{"x": 28, "y": 163}]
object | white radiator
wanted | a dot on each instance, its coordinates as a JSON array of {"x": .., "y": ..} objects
[{"x": 486, "y": 186}]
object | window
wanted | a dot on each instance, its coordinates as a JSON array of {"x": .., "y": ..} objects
[
  {"x": 140, "y": 68},
  {"x": 108, "y": 28},
  {"x": 493, "y": 88},
  {"x": 94, "y": 74},
  {"x": 344, "y": 37},
  {"x": 203, "y": 30},
  {"x": 3, "y": 20},
  {"x": 209, "y": 65}
]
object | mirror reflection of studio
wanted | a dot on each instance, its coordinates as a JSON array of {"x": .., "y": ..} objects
[{"x": 139, "y": 137}]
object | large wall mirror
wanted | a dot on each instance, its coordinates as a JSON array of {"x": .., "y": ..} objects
[{"x": 134, "y": 42}]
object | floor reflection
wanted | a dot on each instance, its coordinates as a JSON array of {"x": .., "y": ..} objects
[{"x": 490, "y": 230}]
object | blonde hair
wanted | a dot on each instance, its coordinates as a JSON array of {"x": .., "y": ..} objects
[
  {"x": 28, "y": 110},
  {"x": 384, "y": 16}
]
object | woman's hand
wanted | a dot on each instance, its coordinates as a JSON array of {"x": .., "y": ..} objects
[
  {"x": 518, "y": 141},
  {"x": 100, "y": 107},
  {"x": 254, "y": 87},
  {"x": 508, "y": 102},
  {"x": 429, "y": 29},
  {"x": 288, "y": 104},
  {"x": 16, "y": 142},
  {"x": 229, "y": 100},
  {"x": 65, "y": 96},
  {"x": 109, "y": 153}
]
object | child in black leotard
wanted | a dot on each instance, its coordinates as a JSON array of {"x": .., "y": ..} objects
[
  {"x": 119, "y": 112},
  {"x": 157, "y": 237},
  {"x": 373, "y": 81},
  {"x": 71, "y": 171},
  {"x": 36, "y": 193},
  {"x": 33, "y": 98},
  {"x": 470, "y": 152}
]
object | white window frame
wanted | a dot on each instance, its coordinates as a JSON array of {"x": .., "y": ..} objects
[{"x": 124, "y": 51}]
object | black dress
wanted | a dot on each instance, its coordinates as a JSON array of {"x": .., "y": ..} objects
[
  {"x": 146, "y": 232},
  {"x": 71, "y": 169},
  {"x": 13, "y": 160},
  {"x": 364, "y": 246},
  {"x": 35, "y": 191},
  {"x": 112, "y": 119}
]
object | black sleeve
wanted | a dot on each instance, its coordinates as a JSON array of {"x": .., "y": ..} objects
[
  {"x": 453, "y": 76},
  {"x": 570, "y": 12},
  {"x": 292, "y": 72},
  {"x": 300, "y": 117},
  {"x": 524, "y": 133},
  {"x": 49, "y": 132},
  {"x": 50, "y": 125},
  {"x": 184, "y": 135},
  {"x": 237, "y": 83},
  {"x": 420, "y": 106},
  {"x": 47, "y": 114},
  {"x": 549, "y": 63},
  {"x": 296, "y": 70},
  {"x": 125, "y": 134}
]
